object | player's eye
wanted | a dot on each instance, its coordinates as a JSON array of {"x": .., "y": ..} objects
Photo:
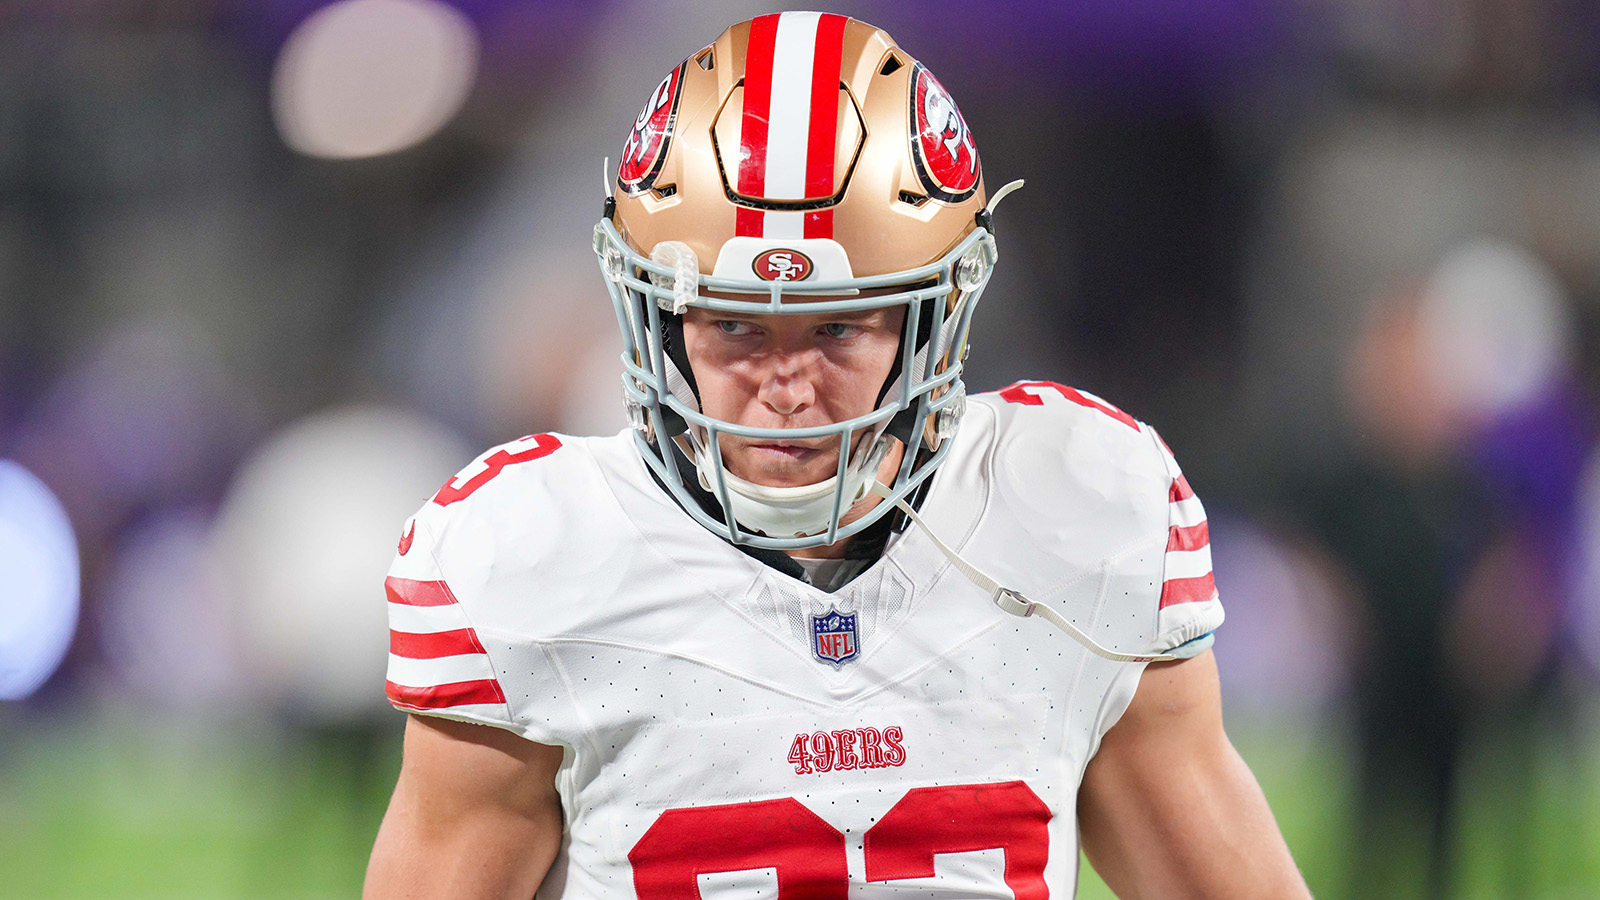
[
  {"x": 734, "y": 327},
  {"x": 841, "y": 330}
]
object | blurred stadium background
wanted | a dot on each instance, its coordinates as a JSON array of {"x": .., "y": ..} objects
[{"x": 271, "y": 270}]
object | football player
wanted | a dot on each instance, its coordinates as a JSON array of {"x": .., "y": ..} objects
[{"x": 819, "y": 624}]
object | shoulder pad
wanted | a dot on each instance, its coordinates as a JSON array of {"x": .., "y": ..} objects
[
  {"x": 509, "y": 509},
  {"x": 1075, "y": 474},
  {"x": 1089, "y": 483},
  {"x": 441, "y": 586},
  {"x": 1045, "y": 431}
]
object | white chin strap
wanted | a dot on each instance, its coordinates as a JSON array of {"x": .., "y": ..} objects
[
  {"x": 1012, "y": 601},
  {"x": 789, "y": 512}
]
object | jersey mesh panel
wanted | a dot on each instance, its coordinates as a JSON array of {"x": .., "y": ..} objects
[{"x": 877, "y": 596}]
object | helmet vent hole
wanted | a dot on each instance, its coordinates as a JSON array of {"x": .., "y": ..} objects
[
  {"x": 706, "y": 59},
  {"x": 664, "y": 190},
  {"x": 913, "y": 199},
  {"x": 890, "y": 65}
]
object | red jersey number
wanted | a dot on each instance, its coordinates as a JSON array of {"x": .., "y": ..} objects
[
  {"x": 931, "y": 820},
  {"x": 808, "y": 854},
  {"x": 494, "y": 463},
  {"x": 1032, "y": 393}
]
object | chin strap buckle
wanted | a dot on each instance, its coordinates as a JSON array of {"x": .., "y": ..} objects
[{"x": 1014, "y": 603}]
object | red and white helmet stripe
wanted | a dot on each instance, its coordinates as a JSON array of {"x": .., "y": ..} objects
[{"x": 789, "y": 127}]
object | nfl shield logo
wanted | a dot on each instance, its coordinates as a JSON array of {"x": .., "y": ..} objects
[{"x": 833, "y": 637}]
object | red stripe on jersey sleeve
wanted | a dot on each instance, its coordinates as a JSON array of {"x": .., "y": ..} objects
[
  {"x": 434, "y": 645},
  {"x": 444, "y": 696},
  {"x": 1192, "y": 537},
  {"x": 1188, "y": 590},
  {"x": 1180, "y": 490},
  {"x": 820, "y": 146},
  {"x": 418, "y": 593},
  {"x": 753, "y": 123}
]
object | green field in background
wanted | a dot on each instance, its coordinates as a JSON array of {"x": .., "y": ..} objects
[
  {"x": 122, "y": 809},
  {"x": 116, "y": 811}
]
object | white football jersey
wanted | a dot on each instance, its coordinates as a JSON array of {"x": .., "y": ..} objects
[{"x": 732, "y": 732}]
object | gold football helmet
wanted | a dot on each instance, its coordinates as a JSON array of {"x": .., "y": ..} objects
[{"x": 799, "y": 155}]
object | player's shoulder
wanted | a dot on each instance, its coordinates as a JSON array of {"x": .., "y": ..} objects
[
  {"x": 511, "y": 478},
  {"x": 1088, "y": 436},
  {"x": 470, "y": 547},
  {"x": 1083, "y": 483},
  {"x": 515, "y": 507},
  {"x": 1064, "y": 459}
]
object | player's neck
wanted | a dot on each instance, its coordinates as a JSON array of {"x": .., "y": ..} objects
[{"x": 840, "y": 549}]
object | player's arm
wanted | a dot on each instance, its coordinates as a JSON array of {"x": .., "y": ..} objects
[
  {"x": 475, "y": 815},
  {"x": 1167, "y": 807}
]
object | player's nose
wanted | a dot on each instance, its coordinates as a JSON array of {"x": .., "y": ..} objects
[{"x": 786, "y": 391}]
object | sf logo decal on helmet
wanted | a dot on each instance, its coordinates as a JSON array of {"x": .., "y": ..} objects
[
  {"x": 646, "y": 148},
  {"x": 946, "y": 157},
  {"x": 782, "y": 265}
]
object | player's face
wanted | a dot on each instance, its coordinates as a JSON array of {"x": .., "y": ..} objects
[{"x": 790, "y": 371}]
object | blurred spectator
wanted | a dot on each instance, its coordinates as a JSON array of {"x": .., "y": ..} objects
[{"x": 1454, "y": 510}]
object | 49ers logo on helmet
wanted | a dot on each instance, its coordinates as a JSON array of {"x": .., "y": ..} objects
[
  {"x": 941, "y": 145},
  {"x": 646, "y": 149},
  {"x": 782, "y": 265}
]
